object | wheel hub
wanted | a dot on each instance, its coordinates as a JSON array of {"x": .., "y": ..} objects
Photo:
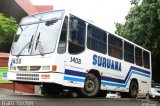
[{"x": 89, "y": 86}]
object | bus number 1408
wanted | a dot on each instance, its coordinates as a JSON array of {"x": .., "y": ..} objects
[{"x": 75, "y": 60}]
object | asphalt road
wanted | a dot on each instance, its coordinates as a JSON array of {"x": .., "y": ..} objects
[
  {"x": 20, "y": 99},
  {"x": 8, "y": 98}
]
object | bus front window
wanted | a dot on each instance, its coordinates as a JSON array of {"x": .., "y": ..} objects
[
  {"x": 45, "y": 41},
  {"x": 24, "y": 35},
  {"x": 37, "y": 34}
]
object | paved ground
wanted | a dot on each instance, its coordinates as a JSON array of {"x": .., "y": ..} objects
[
  {"x": 8, "y": 98},
  {"x": 6, "y": 92}
]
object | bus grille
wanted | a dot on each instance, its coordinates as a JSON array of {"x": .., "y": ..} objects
[
  {"x": 28, "y": 68},
  {"x": 34, "y": 77}
]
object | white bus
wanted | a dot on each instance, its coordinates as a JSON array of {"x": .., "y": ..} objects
[{"x": 60, "y": 50}]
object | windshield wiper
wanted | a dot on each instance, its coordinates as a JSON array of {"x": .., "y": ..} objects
[
  {"x": 39, "y": 45},
  {"x": 30, "y": 43},
  {"x": 25, "y": 46}
]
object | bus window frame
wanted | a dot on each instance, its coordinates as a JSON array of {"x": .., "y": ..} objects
[
  {"x": 149, "y": 66},
  {"x": 70, "y": 41},
  {"x": 124, "y": 43},
  {"x": 90, "y": 37},
  {"x": 115, "y": 46},
  {"x": 66, "y": 35},
  {"x": 138, "y": 56}
]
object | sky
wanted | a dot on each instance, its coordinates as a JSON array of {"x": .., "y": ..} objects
[{"x": 104, "y": 13}]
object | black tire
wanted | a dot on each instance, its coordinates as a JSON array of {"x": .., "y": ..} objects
[
  {"x": 91, "y": 86},
  {"x": 133, "y": 89}
]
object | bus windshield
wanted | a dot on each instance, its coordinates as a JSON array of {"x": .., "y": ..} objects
[{"x": 37, "y": 34}]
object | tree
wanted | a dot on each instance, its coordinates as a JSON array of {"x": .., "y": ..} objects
[
  {"x": 142, "y": 26},
  {"x": 8, "y": 27}
]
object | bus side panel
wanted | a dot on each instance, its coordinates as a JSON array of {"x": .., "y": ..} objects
[
  {"x": 142, "y": 75},
  {"x": 74, "y": 77},
  {"x": 112, "y": 78}
]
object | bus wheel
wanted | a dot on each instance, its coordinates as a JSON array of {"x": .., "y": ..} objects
[
  {"x": 133, "y": 89},
  {"x": 91, "y": 86}
]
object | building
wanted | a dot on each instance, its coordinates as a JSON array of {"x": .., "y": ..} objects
[
  {"x": 18, "y": 9},
  {"x": 21, "y": 8}
]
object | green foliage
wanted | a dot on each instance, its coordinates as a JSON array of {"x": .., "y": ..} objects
[
  {"x": 142, "y": 26},
  {"x": 8, "y": 28}
]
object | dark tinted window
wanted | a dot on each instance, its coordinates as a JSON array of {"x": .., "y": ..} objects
[
  {"x": 146, "y": 59},
  {"x": 97, "y": 39},
  {"x": 114, "y": 46},
  {"x": 77, "y": 35},
  {"x": 63, "y": 37},
  {"x": 128, "y": 52},
  {"x": 138, "y": 54}
]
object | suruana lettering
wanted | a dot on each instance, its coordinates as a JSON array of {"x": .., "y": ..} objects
[{"x": 106, "y": 63}]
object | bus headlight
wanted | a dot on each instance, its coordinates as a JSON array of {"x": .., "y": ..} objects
[
  {"x": 45, "y": 67},
  {"x": 13, "y": 68}
]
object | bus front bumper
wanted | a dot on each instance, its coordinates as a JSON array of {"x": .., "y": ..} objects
[{"x": 36, "y": 77}]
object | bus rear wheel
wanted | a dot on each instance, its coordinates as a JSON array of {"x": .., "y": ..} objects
[
  {"x": 91, "y": 86},
  {"x": 133, "y": 89}
]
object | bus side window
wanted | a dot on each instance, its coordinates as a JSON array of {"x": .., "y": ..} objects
[
  {"x": 76, "y": 35},
  {"x": 128, "y": 52},
  {"x": 97, "y": 39},
  {"x": 114, "y": 46},
  {"x": 138, "y": 53},
  {"x": 146, "y": 59},
  {"x": 63, "y": 37}
]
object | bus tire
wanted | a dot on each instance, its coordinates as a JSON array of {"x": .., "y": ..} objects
[
  {"x": 91, "y": 86},
  {"x": 133, "y": 89}
]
